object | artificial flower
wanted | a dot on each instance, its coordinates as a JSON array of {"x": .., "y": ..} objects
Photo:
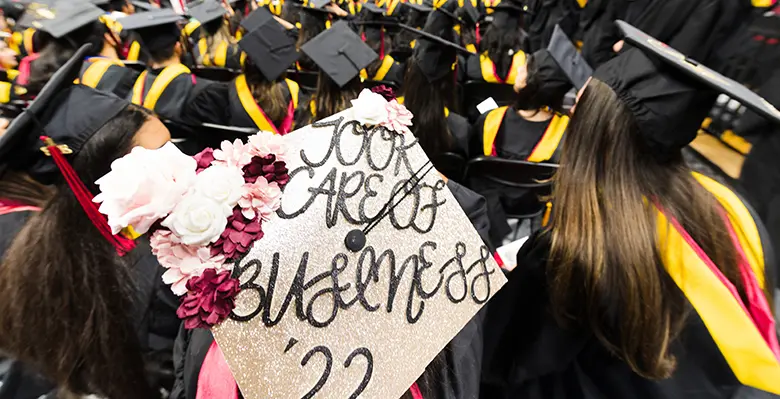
[
  {"x": 369, "y": 108},
  {"x": 144, "y": 186},
  {"x": 386, "y": 92},
  {"x": 210, "y": 299},
  {"x": 182, "y": 261},
  {"x": 235, "y": 154},
  {"x": 268, "y": 167},
  {"x": 398, "y": 117},
  {"x": 223, "y": 184},
  {"x": 197, "y": 219},
  {"x": 265, "y": 143},
  {"x": 260, "y": 198},
  {"x": 238, "y": 237},
  {"x": 204, "y": 159}
]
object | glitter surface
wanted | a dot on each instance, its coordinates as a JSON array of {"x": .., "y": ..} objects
[{"x": 267, "y": 358}]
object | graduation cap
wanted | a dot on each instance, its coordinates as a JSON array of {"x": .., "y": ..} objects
[
  {"x": 339, "y": 53},
  {"x": 507, "y": 15},
  {"x": 158, "y": 29},
  {"x": 668, "y": 93},
  {"x": 568, "y": 59},
  {"x": 271, "y": 48},
  {"x": 207, "y": 11},
  {"x": 256, "y": 19},
  {"x": 35, "y": 14},
  {"x": 69, "y": 19},
  {"x": 144, "y": 5},
  {"x": 69, "y": 114},
  {"x": 421, "y": 8}
]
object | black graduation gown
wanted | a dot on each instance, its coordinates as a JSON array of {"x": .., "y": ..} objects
[
  {"x": 474, "y": 70},
  {"x": 460, "y": 130},
  {"x": 174, "y": 95},
  {"x": 544, "y": 15},
  {"x": 227, "y": 56},
  {"x": 528, "y": 355},
  {"x": 107, "y": 76},
  {"x": 454, "y": 374},
  {"x": 389, "y": 71}
]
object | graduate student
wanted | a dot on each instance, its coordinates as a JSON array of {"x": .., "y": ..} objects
[
  {"x": 340, "y": 55},
  {"x": 215, "y": 45},
  {"x": 314, "y": 18},
  {"x": 63, "y": 271},
  {"x": 106, "y": 71},
  {"x": 373, "y": 31},
  {"x": 261, "y": 97},
  {"x": 501, "y": 48},
  {"x": 167, "y": 84},
  {"x": 429, "y": 88},
  {"x": 651, "y": 280}
]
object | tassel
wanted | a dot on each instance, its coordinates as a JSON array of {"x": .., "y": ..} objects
[
  {"x": 415, "y": 391},
  {"x": 382, "y": 44},
  {"x": 121, "y": 244},
  {"x": 479, "y": 38}
]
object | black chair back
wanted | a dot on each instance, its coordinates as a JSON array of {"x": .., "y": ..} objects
[
  {"x": 451, "y": 165},
  {"x": 475, "y": 92},
  {"x": 306, "y": 80},
  {"x": 137, "y": 66},
  {"x": 215, "y": 74}
]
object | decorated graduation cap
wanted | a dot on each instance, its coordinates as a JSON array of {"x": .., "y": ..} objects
[
  {"x": 206, "y": 11},
  {"x": 53, "y": 130},
  {"x": 339, "y": 53},
  {"x": 567, "y": 59},
  {"x": 668, "y": 93},
  {"x": 159, "y": 29},
  {"x": 271, "y": 48},
  {"x": 70, "y": 18}
]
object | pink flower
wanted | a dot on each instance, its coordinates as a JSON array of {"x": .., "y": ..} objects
[
  {"x": 238, "y": 237},
  {"x": 263, "y": 144},
  {"x": 234, "y": 154},
  {"x": 386, "y": 92},
  {"x": 210, "y": 299},
  {"x": 268, "y": 167},
  {"x": 204, "y": 159},
  {"x": 183, "y": 262},
  {"x": 260, "y": 199},
  {"x": 398, "y": 117}
]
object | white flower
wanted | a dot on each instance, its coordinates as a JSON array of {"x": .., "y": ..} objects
[
  {"x": 235, "y": 154},
  {"x": 264, "y": 143},
  {"x": 144, "y": 186},
  {"x": 222, "y": 184},
  {"x": 369, "y": 108},
  {"x": 198, "y": 219}
]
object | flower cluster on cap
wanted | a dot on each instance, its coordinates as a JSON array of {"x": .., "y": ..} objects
[
  {"x": 203, "y": 212},
  {"x": 374, "y": 109}
]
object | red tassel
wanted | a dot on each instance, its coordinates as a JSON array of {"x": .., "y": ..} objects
[
  {"x": 382, "y": 44},
  {"x": 415, "y": 391},
  {"x": 122, "y": 244},
  {"x": 479, "y": 38}
]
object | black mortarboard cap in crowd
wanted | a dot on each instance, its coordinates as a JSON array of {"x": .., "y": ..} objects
[
  {"x": 69, "y": 114},
  {"x": 34, "y": 15},
  {"x": 435, "y": 52},
  {"x": 143, "y": 5},
  {"x": 256, "y": 19},
  {"x": 508, "y": 15},
  {"x": 158, "y": 29},
  {"x": 569, "y": 60},
  {"x": 552, "y": 81},
  {"x": 339, "y": 53},
  {"x": 668, "y": 94},
  {"x": 68, "y": 19},
  {"x": 319, "y": 4},
  {"x": 206, "y": 11},
  {"x": 421, "y": 8},
  {"x": 271, "y": 48}
]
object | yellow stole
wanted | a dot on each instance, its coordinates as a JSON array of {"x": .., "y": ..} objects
[
  {"x": 159, "y": 85},
  {"x": 488, "y": 68},
  {"x": 96, "y": 70},
  {"x": 134, "y": 51},
  {"x": 220, "y": 55},
  {"x": 254, "y": 111},
  {"x": 543, "y": 150},
  {"x": 387, "y": 63}
]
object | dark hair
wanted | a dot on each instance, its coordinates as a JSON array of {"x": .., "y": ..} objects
[
  {"x": 535, "y": 95},
  {"x": 20, "y": 187},
  {"x": 291, "y": 12},
  {"x": 60, "y": 276},
  {"x": 415, "y": 19},
  {"x": 59, "y": 50},
  {"x": 310, "y": 27},
  {"x": 269, "y": 95},
  {"x": 426, "y": 101},
  {"x": 331, "y": 99},
  {"x": 376, "y": 45},
  {"x": 605, "y": 267},
  {"x": 498, "y": 43}
]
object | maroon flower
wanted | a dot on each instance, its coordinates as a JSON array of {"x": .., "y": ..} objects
[
  {"x": 204, "y": 159},
  {"x": 238, "y": 236},
  {"x": 209, "y": 300},
  {"x": 268, "y": 167},
  {"x": 387, "y": 92}
]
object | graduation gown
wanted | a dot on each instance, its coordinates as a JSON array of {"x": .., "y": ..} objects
[
  {"x": 165, "y": 91},
  {"x": 545, "y": 14},
  {"x": 232, "y": 104},
  {"x": 108, "y": 76},
  {"x": 389, "y": 70},
  {"x": 528, "y": 355},
  {"x": 482, "y": 69},
  {"x": 226, "y": 55}
]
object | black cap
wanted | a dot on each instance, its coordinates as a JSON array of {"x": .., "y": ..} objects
[
  {"x": 256, "y": 19},
  {"x": 552, "y": 81},
  {"x": 568, "y": 58},
  {"x": 206, "y": 10},
  {"x": 318, "y": 4},
  {"x": 158, "y": 29},
  {"x": 69, "y": 114},
  {"x": 35, "y": 14},
  {"x": 421, "y": 8},
  {"x": 339, "y": 53},
  {"x": 508, "y": 15},
  {"x": 68, "y": 19},
  {"x": 271, "y": 48},
  {"x": 143, "y": 5},
  {"x": 436, "y": 50}
]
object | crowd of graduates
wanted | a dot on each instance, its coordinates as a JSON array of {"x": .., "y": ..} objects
[{"x": 546, "y": 117}]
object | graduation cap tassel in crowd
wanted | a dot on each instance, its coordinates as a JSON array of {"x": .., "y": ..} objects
[{"x": 84, "y": 196}]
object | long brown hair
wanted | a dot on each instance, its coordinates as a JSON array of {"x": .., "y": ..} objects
[
  {"x": 605, "y": 268},
  {"x": 269, "y": 95},
  {"x": 331, "y": 99},
  {"x": 216, "y": 32},
  {"x": 65, "y": 296},
  {"x": 20, "y": 187}
]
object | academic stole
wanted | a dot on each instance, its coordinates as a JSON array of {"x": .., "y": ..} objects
[
  {"x": 744, "y": 333},
  {"x": 160, "y": 83},
  {"x": 488, "y": 68},
  {"x": 544, "y": 148},
  {"x": 261, "y": 120}
]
